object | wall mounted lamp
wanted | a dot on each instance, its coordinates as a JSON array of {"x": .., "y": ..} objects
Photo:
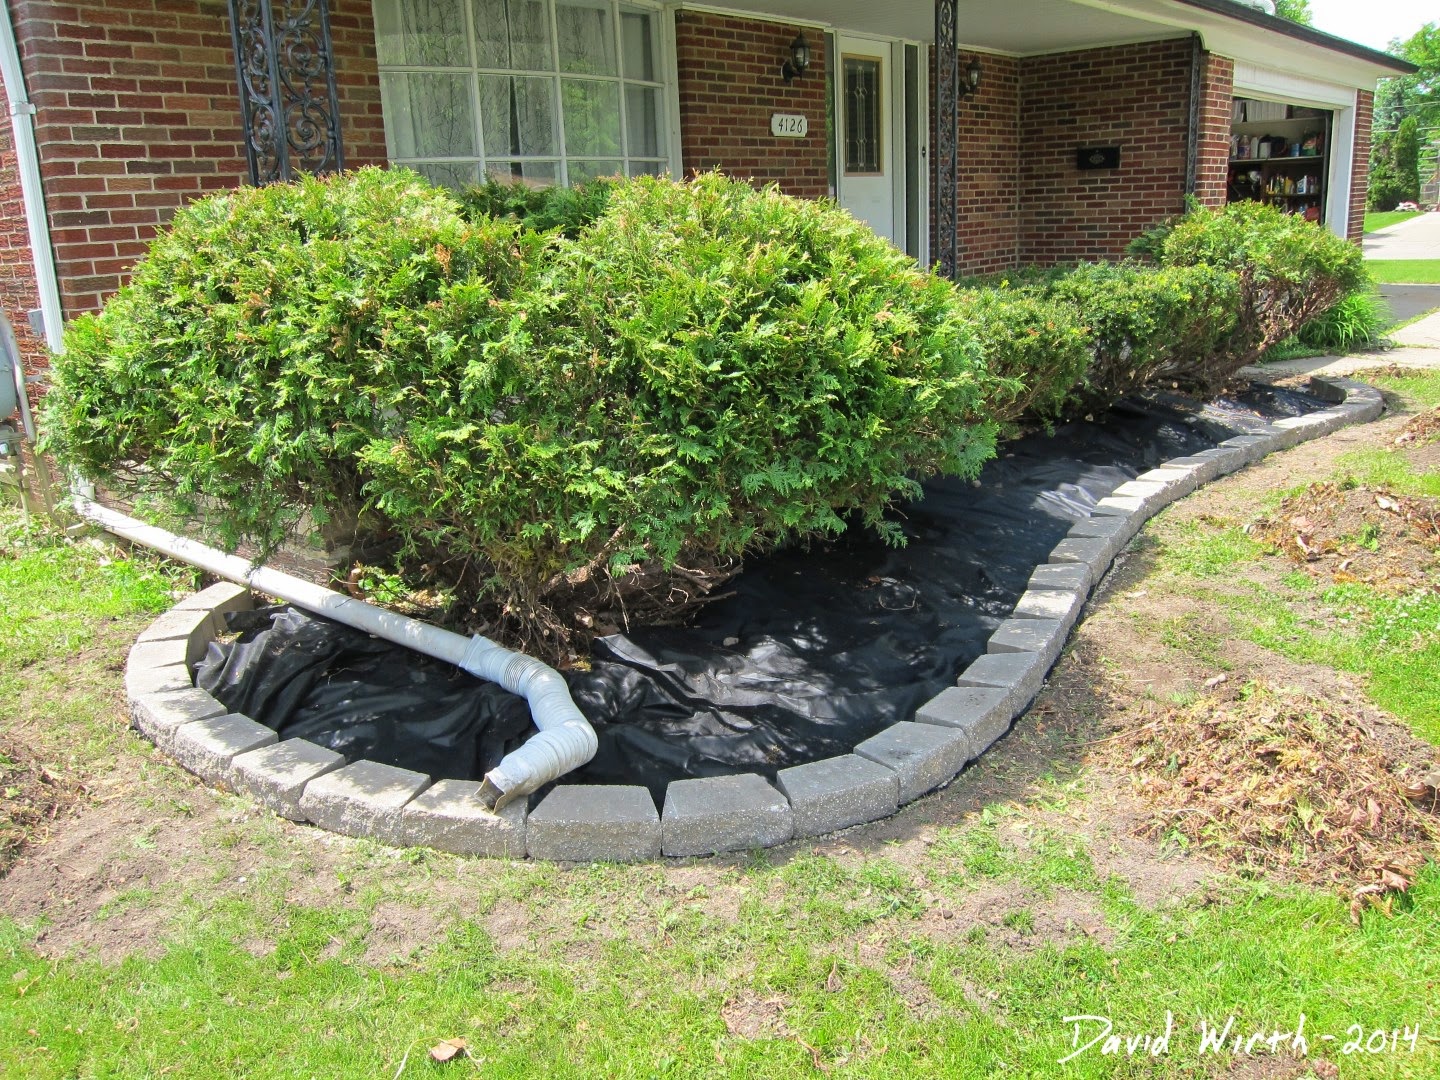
[
  {"x": 799, "y": 60},
  {"x": 971, "y": 80}
]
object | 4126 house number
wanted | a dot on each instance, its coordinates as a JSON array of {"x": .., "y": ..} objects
[{"x": 789, "y": 125}]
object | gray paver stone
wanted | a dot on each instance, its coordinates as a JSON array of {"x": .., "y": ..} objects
[
  {"x": 208, "y": 747},
  {"x": 142, "y": 679},
  {"x": 982, "y": 712},
  {"x": 591, "y": 823},
  {"x": 1254, "y": 447},
  {"x": 1094, "y": 552},
  {"x": 1153, "y": 495},
  {"x": 450, "y": 817},
  {"x": 839, "y": 792},
  {"x": 1043, "y": 636},
  {"x": 156, "y": 654},
  {"x": 1116, "y": 531},
  {"x": 724, "y": 813},
  {"x": 1180, "y": 480},
  {"x": 156, "y": 716},
  {"x": 195, "y": 628},
  {"x": 362, "y": 799},
  {"x": 218, "y": 598},
  {"x": 276, "y": 775},
  {"x": 1020, "y": 674},
  {"x": 1063, "y": 607},
  {"x": 1121, "y": 506},
  {"x": 1202, "y": 466},
  {"x": 923, "y": 756},
  {"x": 1227, "y": 459},
  {"x": 1070, "y": 576}
]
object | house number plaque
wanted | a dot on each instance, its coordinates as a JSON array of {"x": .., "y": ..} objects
[{"x": 789, "y": 125}]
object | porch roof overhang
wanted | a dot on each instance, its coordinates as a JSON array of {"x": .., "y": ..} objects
[{"x": 1036, "y": 27}]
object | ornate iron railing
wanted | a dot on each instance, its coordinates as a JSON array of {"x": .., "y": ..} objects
[{"x": 286, "y": 69}]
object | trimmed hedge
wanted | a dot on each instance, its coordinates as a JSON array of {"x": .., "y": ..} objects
[{"x": 703, "y": 371}]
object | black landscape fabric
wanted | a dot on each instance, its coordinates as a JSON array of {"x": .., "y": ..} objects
[{"x": 817, "y": 649}]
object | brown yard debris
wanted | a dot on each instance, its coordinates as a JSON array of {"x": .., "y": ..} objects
[
  {"x": 1357, "y": 534},
  {"x": 31, "y": 797},
  {"x": 1283, "y": 782},
  {"x": 1422, "y": 428}
]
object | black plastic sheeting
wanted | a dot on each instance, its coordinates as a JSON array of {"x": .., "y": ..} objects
[{"x": 817, "y": 650}]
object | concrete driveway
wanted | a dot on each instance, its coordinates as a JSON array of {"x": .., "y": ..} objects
[{"x": 1417, "y": 238}]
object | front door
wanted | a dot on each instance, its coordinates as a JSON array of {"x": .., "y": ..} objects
[{"x": 869, "y": 137}]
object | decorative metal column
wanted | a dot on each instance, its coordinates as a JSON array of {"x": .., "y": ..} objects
[
  {"x": 947, "y": 127},
  {"x": 286, "y": 69}
]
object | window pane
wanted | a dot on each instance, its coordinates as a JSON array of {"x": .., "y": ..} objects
[
  {"x": 587, "y": 37},
  {"x": 862, "y": 115},
  {"x": 592, "y": 117},
  {"x": 427, "y": 115},
  {"x": 447, "y": 173},
  {"x": 642, "y": 119},
  {"x": 513, "y": 34},
  {"x": 421, "y": 32},
  {"x": 580, "y": 171},
  {"x": 535, "y": 174},
  {"x": 646, "y": 168},
  {"x": 518, "y": 115},
  {"x": 637, "y": 32}
]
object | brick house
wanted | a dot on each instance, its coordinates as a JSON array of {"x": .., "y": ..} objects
[{"x": 975, "y": 134}]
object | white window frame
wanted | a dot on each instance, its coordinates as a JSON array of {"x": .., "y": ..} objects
[{"x": 667, "y": 85}]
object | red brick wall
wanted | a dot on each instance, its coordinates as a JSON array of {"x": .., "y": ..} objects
[
  {"x": 730, "y": 84},
  {"x": 17, "y": 274},
  {"x": 138, "y": 113},
  {"x": 1217, "y": 94},
  {"x": 1131, "y": 96},
  {"x": 987, "y": 211},
  {"x": 1360, "y": 163}
]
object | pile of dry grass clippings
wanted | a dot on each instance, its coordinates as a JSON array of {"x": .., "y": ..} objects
[{"x": 1287, "y": 783}]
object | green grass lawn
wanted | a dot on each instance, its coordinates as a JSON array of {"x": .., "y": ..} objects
[
  {"x": 951, "y": 942},
  {"x": 1381, "y": 218},
  {"x": 1404, "y": 271}
]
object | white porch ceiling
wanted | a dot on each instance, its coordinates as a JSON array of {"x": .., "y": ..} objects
[{"x": 1033, "y": 27}]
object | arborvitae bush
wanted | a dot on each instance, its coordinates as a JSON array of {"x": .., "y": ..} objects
[
  {"x": 1290, "y": 271},
  {"x": 270, "y": 336},
  {"x": 566, "y": 429},
  {"x": 705, "y": 371},
  {"x": 538, "y": 209},
  {"x": 1041, "y": 345}
]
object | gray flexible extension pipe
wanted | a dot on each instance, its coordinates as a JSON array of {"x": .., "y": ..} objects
[{"x": 566, "y": 740}]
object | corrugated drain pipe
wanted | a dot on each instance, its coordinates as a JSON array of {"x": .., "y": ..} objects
[{"x": 566, "y": 740}]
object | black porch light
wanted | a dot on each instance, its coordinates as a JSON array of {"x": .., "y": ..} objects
[
  {"x": 971, "y": 82},
  {"x": 799, "y": 60}
]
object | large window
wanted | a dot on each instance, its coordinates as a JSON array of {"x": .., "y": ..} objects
[{"x": 545, "y": 91}]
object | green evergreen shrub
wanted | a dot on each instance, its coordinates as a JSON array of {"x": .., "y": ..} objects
[
  {"x": 547, "y": 424},
  {"x": 538, "y": 209},
  {"x": 705, "y": 371},
  {"x": 1290, "y": 270},
  {"x": 1039, "y": 343},
  {"x": 269, "y": 336}
]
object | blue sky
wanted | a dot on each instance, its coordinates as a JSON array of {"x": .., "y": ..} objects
[{"x": 1374, "y": 23}]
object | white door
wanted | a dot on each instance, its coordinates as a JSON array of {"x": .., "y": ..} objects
[{"x": 869, "y": 138}]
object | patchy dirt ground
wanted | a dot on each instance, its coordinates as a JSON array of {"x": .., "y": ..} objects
[{"x": 148, "y": 844}]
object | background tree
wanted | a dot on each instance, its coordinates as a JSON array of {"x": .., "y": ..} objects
[
  {"x": 1294, "y": 10},
  {"x": 1407, "y": 122}
]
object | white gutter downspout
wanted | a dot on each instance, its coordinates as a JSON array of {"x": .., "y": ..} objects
[
  {"x": 22, "y": 120},
  {"x": 566, "y": 740}
]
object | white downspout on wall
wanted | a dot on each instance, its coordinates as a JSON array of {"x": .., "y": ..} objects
[{"x": 22, "y": 120}]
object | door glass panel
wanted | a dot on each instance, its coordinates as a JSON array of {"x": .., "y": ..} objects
[
  {"x": 592, "y": 117},
  {"x": 427, "y": 115},
  {"x": 862, "y": 115},
  {"x": 587, "y": 37},
  {"x": 518, "y": 115},
  {"x": 512, "y": 34}
]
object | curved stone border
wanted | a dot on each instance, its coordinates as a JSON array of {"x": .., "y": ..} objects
[{"x": 306, "y": 782}]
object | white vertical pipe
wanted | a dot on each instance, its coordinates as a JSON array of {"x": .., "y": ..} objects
[{"x": 22, "y": 120}]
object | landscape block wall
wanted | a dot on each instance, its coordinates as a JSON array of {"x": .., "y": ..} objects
[
  {"x": 730, "y": 83},
  {"x": 138, "y": 113},
  {"x": 1135, "y": 97}
]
